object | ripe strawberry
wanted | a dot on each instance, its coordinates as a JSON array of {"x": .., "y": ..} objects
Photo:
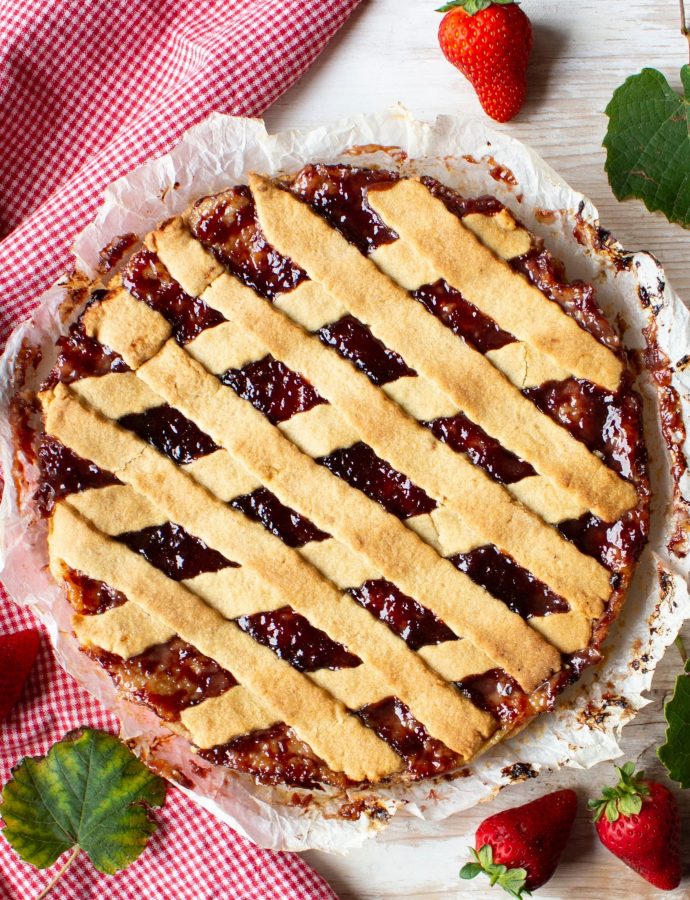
[
  {"x": 638, "y": 821},
  {"x": 490, "y": 42},
  {"x": 17, "y": 654},
  {"x": 519, "y": 848}
]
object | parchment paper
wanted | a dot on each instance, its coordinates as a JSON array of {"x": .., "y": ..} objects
[{"x": 631, "y": 287}]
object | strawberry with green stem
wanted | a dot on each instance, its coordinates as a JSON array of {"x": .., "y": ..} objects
[
  {"x": 490, "y": 42},
  {"x": 519, "y": 848},
  {"x": 638, "y": 821}
]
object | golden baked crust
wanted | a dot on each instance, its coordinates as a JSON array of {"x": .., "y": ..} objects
[{"x": 355, "y": 542}]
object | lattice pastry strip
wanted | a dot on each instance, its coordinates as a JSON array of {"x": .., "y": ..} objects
[
  {"x": 340, "y": 739},
  {"x": 312, "y": 307},
  {"x": 167, "y": 485},
  {"x": 293, "y": 477},
  {"x": 464, "y": 374}
]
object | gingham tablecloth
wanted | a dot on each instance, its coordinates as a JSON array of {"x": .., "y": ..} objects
[{"x": 88, "y": 90}]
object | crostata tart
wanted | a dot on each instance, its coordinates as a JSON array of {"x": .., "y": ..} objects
[{"x": 343, "y": 478}]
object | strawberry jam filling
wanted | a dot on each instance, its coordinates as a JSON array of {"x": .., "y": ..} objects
[
  {"x": 174, "y": 551},
  {"x": 173, "y": 676},
  {"x": 339, "y": 194},
  {"x": 465, "y": 437},
  {"x": 273, "y": 389},
  {"x": 395, "y": 724},
  {"x": 64, "y": 473},
  {"x": 415, "y": 624},
  {"x": 227, "y": 226},
  {"x": 504, "y": 579},
  {"x": 275, "y": 756},
  {"x": 292, "y": 528},
  {"x": 295, "y": 639},
  {"x": 355, "y": 342},
  {"x": 147, "y": 279},
  {"x": 171, "y": 433},
  {"x": 88, "y": 596},
  {"x": 364, "y": 470},
  {"x": 463, "y": 319}
]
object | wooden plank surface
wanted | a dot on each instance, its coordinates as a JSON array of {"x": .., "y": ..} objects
[{"x": 583, "y": 51}]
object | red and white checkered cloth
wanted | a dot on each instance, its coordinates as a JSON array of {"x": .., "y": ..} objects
[{"x": 88, "y": 91}]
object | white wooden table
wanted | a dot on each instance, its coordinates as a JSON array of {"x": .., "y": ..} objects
[{"x": 583, "y": 50}]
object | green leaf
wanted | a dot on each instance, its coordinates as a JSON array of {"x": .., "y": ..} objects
[
  {"x": 89, "y": 792},
  {"x": 470, "y": 870},
  {"x": 675, "y": 752},
  {"x": 472, "y": 7},
  {"x": 648, "y": 144},
  {"x": 511, "y": 880}
]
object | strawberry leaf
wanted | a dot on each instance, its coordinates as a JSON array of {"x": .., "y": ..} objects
[
  {"x": 511, "y": 880},
  {"x": 472, "y": 7},
  {"x": 88, "y": 792},
  {"x": 648, "y": 144},
  {"x": 625, "y": 799},
  {"x": 675, "y": 752}
]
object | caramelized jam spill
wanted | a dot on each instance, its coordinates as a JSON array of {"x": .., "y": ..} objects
[
  {"x": 174, "y": 551},
  {"x": 171, "y": 433},
  {"x": 292, "y": 528},
  {"x": 502, "y": 577},
  {"x": 294, "y": 639},
  {"x": 273, "y": 389},
  {"x": 147, "y": 279},
  {"x": 364, "y": 470},
  {"x": 167, "y": 677},
  {"x": 415, "y": 624}
]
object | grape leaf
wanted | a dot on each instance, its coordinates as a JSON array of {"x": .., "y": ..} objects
[
  {"x": 88, "y": 792},
  {"x": 648, "y": 144},
  {"x": 675, "y": 752}
]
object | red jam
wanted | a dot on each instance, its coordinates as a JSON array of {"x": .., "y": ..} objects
[
  {"x": 395, "y": 724},
  {"x": 292, "y": 528},
  {"x": 63, "y": 473},
  {"x": 463, "y": 319},
  {"x": 364, "y": 470},
  {"x": 147, "y": 279},
  {"x": 227, "y": 226},
  {"x": 355, "y": 342},
  {"x": 339, "y": 194},
  {"x": 174, "y": 551},
  {"x": 415, "y": 624},
  {"x": 465, "y": 437},
  {"x": 167, "y": 677},
  {"x": 166, "y": 429},
  {"x": 496, "y": 693},
  {"x": 90, "y": 597},
  {"x": 295, "y": 639},
  {"x": 502, "y": 577},
  {"x": 273, "y": 389}
]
